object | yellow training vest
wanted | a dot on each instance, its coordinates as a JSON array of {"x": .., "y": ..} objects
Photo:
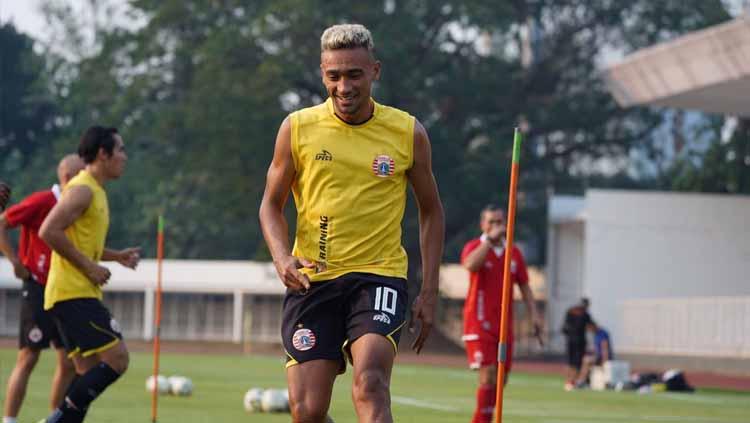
[
  {"x": 88, "y": 234},
  {"x": 350, "y": 190}
]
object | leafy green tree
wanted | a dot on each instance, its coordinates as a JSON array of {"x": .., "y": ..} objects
[
  {"x": 28, "y": 112},
  {"x": 200, "y": 89}
]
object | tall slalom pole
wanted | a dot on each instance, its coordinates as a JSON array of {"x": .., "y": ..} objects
[
  {"x": 157, "y": 317},
  {"x": 502, "y": 352}
]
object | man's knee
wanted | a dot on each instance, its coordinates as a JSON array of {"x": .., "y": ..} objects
[
  {"x": 64, "y": 363},
  {"x": 308, "y": 411},
  {"x": 370, "y": 385},
  {"x": 122, "y": 361},
  {"x": 488, "y": 375},
  {"x": 118, "y": 358},
  {"x": 27, "y": 359}
]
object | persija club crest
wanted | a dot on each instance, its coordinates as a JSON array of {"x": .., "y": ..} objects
[
  {"x": 303, "y": 339},
  {"x": 383, "y": 166}
]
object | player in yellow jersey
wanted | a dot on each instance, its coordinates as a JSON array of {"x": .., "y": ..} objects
[
  {"x": 348, "y": 163},
  {"x": 76, "y": 230}
]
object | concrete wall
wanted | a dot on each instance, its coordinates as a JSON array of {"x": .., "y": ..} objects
[
  {"x": 565, "y": 274},
  {"x": 651, "y": 245}
]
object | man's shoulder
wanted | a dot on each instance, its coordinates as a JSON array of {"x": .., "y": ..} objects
[
  {"x": 392, "y": 111},
  {"x": 472, "y": 242},
  {"x": 310, "y": 115},
  {"x": 84, "y": 179},
  {"x": 39, "y": 199},
  {"x": 470, "y": 246},
  {"x": 42, "y": 196},
  {"x": 34, "y": 206},
  {"x": 395, "y": 117},
  {"x": 517, "y": 251}
]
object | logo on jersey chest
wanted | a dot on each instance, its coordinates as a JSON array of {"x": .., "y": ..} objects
[
  {"x": 383, "y": 166},
  {"x": 488, "y": 264},
  {"x": 324, "y": 155}
]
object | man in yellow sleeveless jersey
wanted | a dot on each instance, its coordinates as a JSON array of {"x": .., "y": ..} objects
[
  {"x": 76, "y": 230},
  {"x": 348, "y": 162}
]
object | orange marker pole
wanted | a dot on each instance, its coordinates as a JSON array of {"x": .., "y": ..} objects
[
  {"x": 157, "y": 317},
  {"x": 507, "y": 295}
]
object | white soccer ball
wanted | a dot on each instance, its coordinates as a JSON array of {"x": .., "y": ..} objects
[
  {"x": 180, "y": 386},
  {"x": 275, "y": 401},
  {"x": 162, "y": 384},
  {"x": 252, "y": 400}
]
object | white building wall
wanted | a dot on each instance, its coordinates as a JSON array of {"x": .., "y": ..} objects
[
  {"x": 565, "y": 266},
  {"x": 652, "y": 245},
  {"x": 565, "y": 276}
]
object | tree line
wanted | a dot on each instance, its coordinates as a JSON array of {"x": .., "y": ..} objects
[{"x": 198, "y": 89}]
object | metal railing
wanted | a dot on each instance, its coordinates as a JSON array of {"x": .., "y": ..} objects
[{"x": 705, "y": 326}]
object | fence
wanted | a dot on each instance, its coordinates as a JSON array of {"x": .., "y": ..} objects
[{"x": 706, "y": 326}]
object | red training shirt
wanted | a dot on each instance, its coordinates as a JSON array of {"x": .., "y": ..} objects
[
  {"x": 30, "y": 214},
  {"x": 483, "y": 302}
]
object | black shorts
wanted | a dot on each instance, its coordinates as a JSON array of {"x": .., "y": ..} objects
[
  {"x": 36, "y": 326},
  {"x": 576, "y": 351},
  {"x": 86, "y": 326},
  {"x": 323, "y": 322}
]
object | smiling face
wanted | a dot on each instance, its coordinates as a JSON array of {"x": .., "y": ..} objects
[{"x": 348, "y": 75}]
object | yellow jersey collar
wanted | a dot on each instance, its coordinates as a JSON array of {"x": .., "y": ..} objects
[{"x": 375, "y": 111}]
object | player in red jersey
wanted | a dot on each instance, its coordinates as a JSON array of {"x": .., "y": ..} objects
[
  {"x": 484, "y": 258},
  {"x": 31, "y": 266}
]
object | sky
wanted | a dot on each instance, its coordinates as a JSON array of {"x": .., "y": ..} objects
[
  {"x": 27, "y": 17},
  {"x": 25, "y": 14}
]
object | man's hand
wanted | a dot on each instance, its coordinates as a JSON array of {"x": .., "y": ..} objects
[
  {"x": 495, "y": 234},
  {"x": 20, "y": 270},
  {"x": 423, "y": 310},
  {"x": 4, "y": 195},
  {"x": 98, "y": 275},
  {"x": 538, "y": 328},
  {"x": 287, "y": 269},
  {"x": 129, "y": 257}
]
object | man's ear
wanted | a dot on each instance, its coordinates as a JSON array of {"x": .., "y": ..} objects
[{"x": 376, "y": 68}]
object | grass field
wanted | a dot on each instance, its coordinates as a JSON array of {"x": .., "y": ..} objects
[{"x": 420, "y": 394}]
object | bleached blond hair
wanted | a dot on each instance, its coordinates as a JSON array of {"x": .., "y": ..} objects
[{"x": 346, "y": 36}]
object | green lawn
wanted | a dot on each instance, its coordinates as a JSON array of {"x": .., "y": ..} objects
[{"x": 420, "y": 394}]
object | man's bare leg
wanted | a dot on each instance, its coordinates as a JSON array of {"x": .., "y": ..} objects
[
  {"x": 19, "y": 380},
  {"x": 310, "y": 388},
  {"x": 373, "y": 356},
  {"x": 65, "y": 372}
]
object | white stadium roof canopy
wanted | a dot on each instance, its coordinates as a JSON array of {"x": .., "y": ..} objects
[{"x": 707, "y": 70}]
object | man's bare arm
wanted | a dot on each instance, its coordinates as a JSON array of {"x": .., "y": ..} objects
[
  {"x": 272, "y": 221},
  {"x": 129, "y": 257},
  {"x": 528, "y": 299},
  {"x": 9, "y": 252},
  {"x": 431, "y": 233},
  {"x": 474, "y": 260},
  {"x": 70, "y": 207}
]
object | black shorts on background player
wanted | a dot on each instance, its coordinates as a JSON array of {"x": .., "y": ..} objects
[
  {"x": 86, "y": 326},
  {"x": 576, "y": 351},
  {"x": 323, "y": 322},
  {"x": 36, "y": 326}
]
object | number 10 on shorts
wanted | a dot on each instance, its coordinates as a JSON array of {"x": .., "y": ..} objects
[{"x": 385, "y": 299}]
